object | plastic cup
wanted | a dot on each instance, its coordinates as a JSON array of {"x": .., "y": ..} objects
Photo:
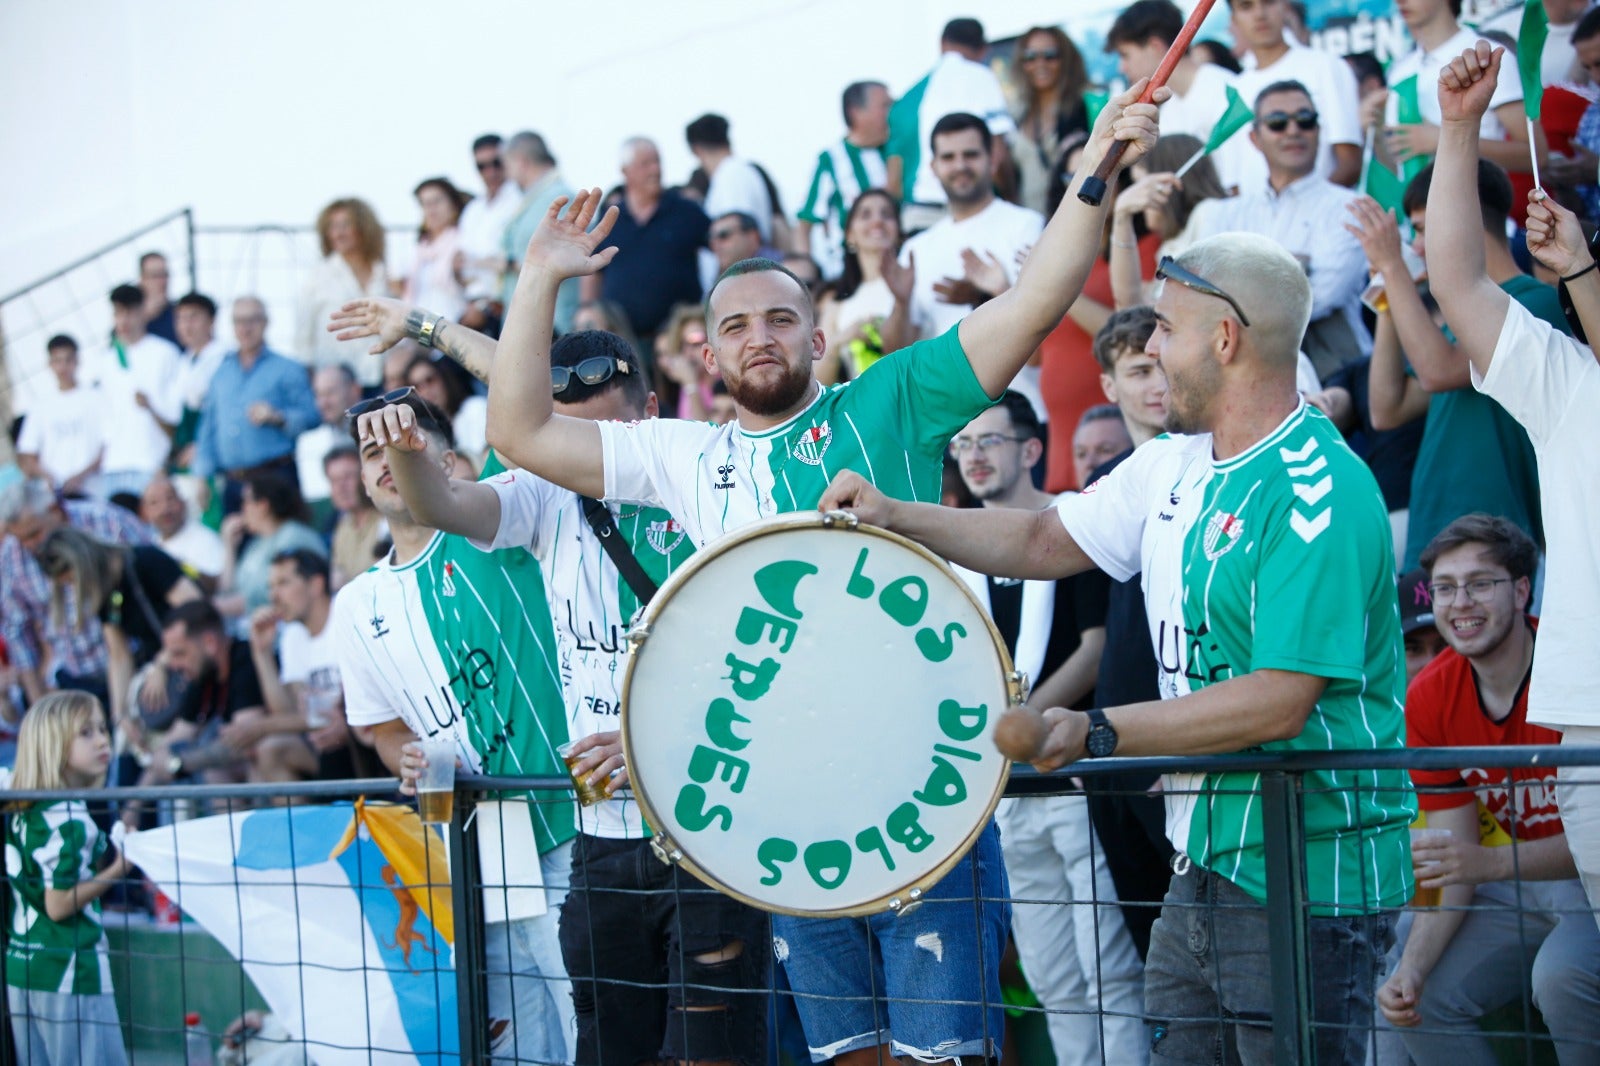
[
  {"x": 588, "y": 793},
  {"x": 1426, "y": 897},
  {"x": 436, "y": 785}
]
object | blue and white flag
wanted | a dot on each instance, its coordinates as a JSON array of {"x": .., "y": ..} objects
[{"x": 316, "y": 902}]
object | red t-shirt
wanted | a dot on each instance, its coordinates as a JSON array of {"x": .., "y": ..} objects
[
  {"x": 1443, "y": 711},
  {"x": 1069, "y": 377}
]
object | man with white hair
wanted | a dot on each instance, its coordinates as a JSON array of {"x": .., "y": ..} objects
[
  {"x": 660, "y": 234},
  {"x": 1267, "y": 562}
]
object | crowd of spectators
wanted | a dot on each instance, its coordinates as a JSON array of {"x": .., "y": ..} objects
[{"x": 185, "y": 507}]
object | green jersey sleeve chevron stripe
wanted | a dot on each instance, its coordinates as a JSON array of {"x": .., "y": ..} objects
[
  {"x": 1279, "y": 558},
  {"x": 591, "y": 606},
  {"x": 458, "y": 642},
  {"x": 890, "y": 425},
  {"x": 54, "y": 845}
]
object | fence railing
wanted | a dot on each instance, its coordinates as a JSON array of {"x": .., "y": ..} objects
[{"x": 406, "y": 945}]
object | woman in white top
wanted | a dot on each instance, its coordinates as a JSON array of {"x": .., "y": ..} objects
[
  {"x": 856, "y": 312},
  {"x": 435, "y": 278},
  {"x": 352, "y": 267}
]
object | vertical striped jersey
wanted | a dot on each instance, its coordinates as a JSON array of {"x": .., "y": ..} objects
[
  {"x": 1280, "y": 558},
  {"x": 890, "y": 426},
  {"x": 54, "y": 846}
]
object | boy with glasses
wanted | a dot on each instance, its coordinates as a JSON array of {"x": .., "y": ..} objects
[{"x": 1513, "y": 921}]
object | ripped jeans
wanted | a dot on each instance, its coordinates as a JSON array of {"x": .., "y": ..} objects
[
  {"x": 927, "y": 983},
  {"x": 642, "y": 941}
]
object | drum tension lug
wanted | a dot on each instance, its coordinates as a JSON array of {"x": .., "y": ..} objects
[
  {"x": 638, "y": 635},
  {"x": 666, "y": 850},
  {"x": 1018, "y": 681},
  {"x": 902, "y": 907},
  {"x": 839, "y": 520}
]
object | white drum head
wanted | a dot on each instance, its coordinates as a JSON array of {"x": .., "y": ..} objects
[{"x": 808, "y": 718}]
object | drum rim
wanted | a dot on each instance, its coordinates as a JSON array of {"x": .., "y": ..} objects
[{"x": 831, "y": 521}]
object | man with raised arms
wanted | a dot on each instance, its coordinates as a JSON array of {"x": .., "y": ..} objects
[
  {"x": 790, "y": 437},
  {"x": 1268, "y": 568}
]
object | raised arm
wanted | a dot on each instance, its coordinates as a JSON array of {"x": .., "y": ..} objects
[
  {"x": 1556, "y": 239},
  {"x": 468, "y": 508},
  {"x": 1006, "y": 542},
  {"x": 999, "y": 336},
  {"x": 523, "y": 426},
  {"x": 391, "y": 321},
  {"x": 1474, "y": 306}
]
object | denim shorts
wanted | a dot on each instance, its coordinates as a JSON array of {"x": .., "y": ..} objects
[
  {"x": 1208, "y": 977},
  {"x": 927, "y": 982}
]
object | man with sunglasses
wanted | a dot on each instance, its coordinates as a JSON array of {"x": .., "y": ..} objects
[
  {"x": 790, "y": 435},
  {"x": 1297, "y": 208},
  {"x": 634, "y": 931},
  {"x": 1268, "y": 568},
  {"x": 439, "y": 638},
  {"x": 483, "y": 223}
]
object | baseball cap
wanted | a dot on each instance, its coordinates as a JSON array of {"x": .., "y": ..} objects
[{"x": 1416, "y": 602}]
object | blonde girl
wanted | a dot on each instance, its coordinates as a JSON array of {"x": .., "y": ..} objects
[{"x": 58, "y": 974}]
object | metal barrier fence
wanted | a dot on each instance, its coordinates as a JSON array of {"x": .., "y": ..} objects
[{"x": 258, "y": 865}]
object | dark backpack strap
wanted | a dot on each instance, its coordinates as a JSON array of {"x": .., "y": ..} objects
[{"x": 605, "y": 527}]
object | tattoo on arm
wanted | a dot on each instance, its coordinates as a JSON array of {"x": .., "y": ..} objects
[{"x": 448, "y": 339}]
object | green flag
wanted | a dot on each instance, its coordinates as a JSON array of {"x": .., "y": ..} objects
[
  {"x": 1530, "y": 51},
  {"x": 1408, "y": 112},
  {"x": 1384, "y": 187},
  {"x": 1094, "y": 103},
  {"x": 1235, "y": 118}
]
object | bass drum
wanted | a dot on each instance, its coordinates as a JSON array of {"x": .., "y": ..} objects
[{"x": 808, "y": 717}]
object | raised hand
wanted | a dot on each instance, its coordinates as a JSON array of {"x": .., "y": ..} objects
[
  {"x": 901, "y": 279},
  {"x": 564, "y": 245},
  {"x": 393, "y": 426},
  {"x": 985, "y": 272},
  {"x": 1152, "y": 191},
  {"x": 263, "y": 631},
  {"x": 1417, "y": 140},
  {"x": 1467, "y": 83},
  {"x": 1125, "y": 119},
  {"x": 1554, "y": 236},
  {"x": 374, "y": 317},
  {"x": 1378, "y": 233}
]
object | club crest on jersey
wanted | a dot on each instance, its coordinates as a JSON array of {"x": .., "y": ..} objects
[
  {"x": 447, "y": 585},
  {"x": 1222, "y": 533},
  {"x": 664, "y": 536},
  {"x": 813, "y": 444}
]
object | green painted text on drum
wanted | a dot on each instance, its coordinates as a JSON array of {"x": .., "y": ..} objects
[{"x": 773, "y": 626}]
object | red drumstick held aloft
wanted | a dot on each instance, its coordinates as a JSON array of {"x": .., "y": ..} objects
[{"x": 1093, "y": 189}]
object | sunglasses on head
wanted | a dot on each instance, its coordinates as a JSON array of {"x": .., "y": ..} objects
[
  {"x": 1047, "y": 56},
  {"x": 591, "y": 371},
  {"x": 1304, "y": 120},
  {"x": 1169, "y": 270},
  {"x": 399, "y": 395}
]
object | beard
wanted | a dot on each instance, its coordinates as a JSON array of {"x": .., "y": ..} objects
[
  {"x": 1190, "y": 396},
  {"x": 771, "y": 398}
]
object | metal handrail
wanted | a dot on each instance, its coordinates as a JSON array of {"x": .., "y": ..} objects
[{"x": 107, "y": 249}]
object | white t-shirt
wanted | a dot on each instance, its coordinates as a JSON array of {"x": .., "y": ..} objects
[
  {"x": 1197, "y": 110},
  {"x": 310, "y": 449},
  {"x": 1334, "y": 94},
  {"x": 195, "y": 370},
  {"x": 483, "y": 224},
  {"x": 1002, "y": 229},
  {"x": 1427, "y": 65},
  {"x": 1551, "y": 385},
  {"x": 138, "y": 443},
  {"x": 197, "y": 545},
  {"x": 64, "y": 430},
  {"x": 1560, "y": 56},
  {"x": 956, "y": 83},
  {"x": 312, "y": 661},
  {"x": 737, "y": 186},
  {"x": 471, "y": 425},
  {"x": 587, "y": 607}
]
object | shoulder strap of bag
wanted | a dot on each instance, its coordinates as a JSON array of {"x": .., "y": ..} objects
[{"x": 605, "y": 527}]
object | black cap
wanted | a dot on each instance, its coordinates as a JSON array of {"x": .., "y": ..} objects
[{"x": 1416, "y": 602}]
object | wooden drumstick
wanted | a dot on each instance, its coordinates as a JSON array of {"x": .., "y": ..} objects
[
  {"x": 1020, "y": 733},
  {"x": 1093, "y": 189}
]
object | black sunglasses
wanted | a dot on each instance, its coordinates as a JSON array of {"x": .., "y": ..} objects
[
  {"x": 591, "y": 371},
  {"x": 1169, "y": 269},
  {"x": 1029, "y": 57},
  {"x": 491, "y": 164},
  {"x": 1304, "y": 119},
  {"x": 355, "y": 411}
]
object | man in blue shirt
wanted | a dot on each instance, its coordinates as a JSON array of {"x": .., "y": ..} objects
[{"x": 258, "y": 403}]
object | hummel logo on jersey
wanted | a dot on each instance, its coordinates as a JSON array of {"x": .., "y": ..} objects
[
  {"x": 376, "y": 621},
  {"x": 664, "y": 536},
  {"x": 1222, "y": 533},
  {"x": 726, "y": 473},
  {"x": 813, "y": 444}
]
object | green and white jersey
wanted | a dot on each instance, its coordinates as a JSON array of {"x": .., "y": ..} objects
[
  {"x": 591, "y": 606},
  {"x": 891, "y": 426},
  {"x": 954, "y": 84},
  {"x": 1280, "y": 558},
  {"x": 843, "y": 172},
  {"x": 54, "y": 845},
  {"x": 458, "y": 642}
]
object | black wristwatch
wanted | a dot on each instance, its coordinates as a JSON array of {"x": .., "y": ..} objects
[{"x": 1102, "y": 738}]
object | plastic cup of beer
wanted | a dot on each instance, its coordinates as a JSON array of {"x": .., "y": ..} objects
[
  {"x": 436, "y": 785},
  {"x": 589, "y": 793},
  {"x": 1426, "y": 897}
]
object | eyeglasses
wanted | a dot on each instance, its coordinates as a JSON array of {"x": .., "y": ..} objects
[
  {"x": 1169, "y": 269},
  {"x": 355, "y": 411},
  {"x": 490, "y": 164},
  {"x": 986, "y": 441},
  {"x": 1478, "y": 590},
  {"x": 591, "y": 371},
  {"x": 1034, "y": 57},
  {"x": 1304, "y": 120}
]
